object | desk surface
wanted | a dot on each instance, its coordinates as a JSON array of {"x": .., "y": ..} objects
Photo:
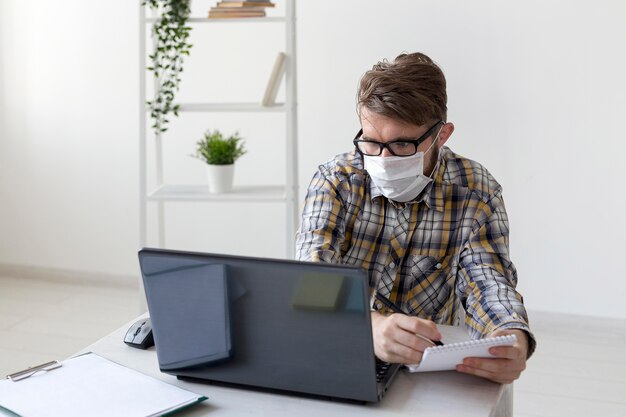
[{"x": 434, "y": 394}]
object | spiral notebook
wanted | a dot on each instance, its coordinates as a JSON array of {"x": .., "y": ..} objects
[{"x": 445, "y": 358}]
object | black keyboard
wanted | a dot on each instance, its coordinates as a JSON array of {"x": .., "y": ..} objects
[{"x": 381, "y": 369}]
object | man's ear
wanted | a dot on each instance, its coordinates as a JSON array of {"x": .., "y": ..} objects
[{"x": 446, "y": 132}]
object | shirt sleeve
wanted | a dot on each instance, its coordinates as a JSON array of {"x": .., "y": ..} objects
[
  {"x": 322, "y": 229},
  {"x": 487, "y": 278}
]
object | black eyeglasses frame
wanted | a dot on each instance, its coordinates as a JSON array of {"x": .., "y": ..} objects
[{"x": 383, "y": 145}]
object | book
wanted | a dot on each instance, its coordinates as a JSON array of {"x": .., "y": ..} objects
[
  {"x": 237, "y": 9},
  {"x": 273, "y": 84},
  {"x": 448, "y": 356},
  {"x": 90, "y": 385},
  {"x": 237, "y": 4},
  {"x": 215, "y": 13}
]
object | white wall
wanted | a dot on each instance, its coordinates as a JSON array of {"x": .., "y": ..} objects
[
  {"x": 535, "y": 89},
  {"x": 68, "y": 152}
]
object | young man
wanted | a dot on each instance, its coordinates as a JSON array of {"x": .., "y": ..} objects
[{"x": 428, "y": 225}]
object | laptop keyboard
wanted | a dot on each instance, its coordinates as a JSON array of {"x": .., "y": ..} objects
[{"x": 382, "y": 369}]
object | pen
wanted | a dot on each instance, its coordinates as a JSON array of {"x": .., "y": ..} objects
[{"x": 387, "y": 302}]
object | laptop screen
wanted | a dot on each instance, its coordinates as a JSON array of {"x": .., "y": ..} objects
[{"x": 280, "y": 324}]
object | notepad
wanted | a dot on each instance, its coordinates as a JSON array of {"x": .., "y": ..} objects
[
  {"x": 90, "y": 385},
  {"x": 447, "y": 357}
]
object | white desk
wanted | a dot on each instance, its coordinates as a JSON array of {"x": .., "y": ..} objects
[{"x": 436, "y": 394}]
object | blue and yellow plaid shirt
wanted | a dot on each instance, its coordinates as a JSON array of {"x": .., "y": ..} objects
[{"x": 445, "y": 251}]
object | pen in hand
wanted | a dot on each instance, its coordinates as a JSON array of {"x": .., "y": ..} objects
[{"x": 387, "y": 302}]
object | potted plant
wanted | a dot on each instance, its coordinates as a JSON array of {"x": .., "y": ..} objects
[{"x": 220, "y": 154}]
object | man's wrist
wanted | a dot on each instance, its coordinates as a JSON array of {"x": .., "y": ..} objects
[{"x": 527, "y": 336}]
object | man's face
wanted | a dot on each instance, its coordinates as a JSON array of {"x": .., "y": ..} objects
[{"x": 383, "y": 129}]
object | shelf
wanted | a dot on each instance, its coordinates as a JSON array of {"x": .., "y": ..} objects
[
  {"x": 231, "y": 107},
  {"x": 261, "y": 193},
  {"x": 284, "y": 113},
  {"x": 229, "y": 20}
]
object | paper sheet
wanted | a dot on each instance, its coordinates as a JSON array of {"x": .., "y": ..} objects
[{"x": 90, "y": 385}]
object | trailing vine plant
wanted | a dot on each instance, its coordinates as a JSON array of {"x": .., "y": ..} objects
[{"x": 170, "y": 34}]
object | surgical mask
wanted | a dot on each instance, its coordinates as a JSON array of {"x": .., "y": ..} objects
[{"x": 399, "y": 178}]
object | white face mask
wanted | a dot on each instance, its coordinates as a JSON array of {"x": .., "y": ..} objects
[{"x": 399, "y": 178}]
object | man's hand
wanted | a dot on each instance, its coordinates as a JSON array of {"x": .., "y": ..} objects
[
  {"x": 397, "y": 337},
  {"x": 509, "y": 364}
]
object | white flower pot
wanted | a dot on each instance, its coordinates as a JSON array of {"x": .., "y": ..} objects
[{"x": 220, "y": 178}]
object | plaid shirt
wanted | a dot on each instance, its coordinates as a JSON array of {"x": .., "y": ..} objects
[{"x": 442, "y": 253}]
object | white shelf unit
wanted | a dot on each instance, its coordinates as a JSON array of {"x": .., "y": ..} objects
[{"x": 168, "y": 193}]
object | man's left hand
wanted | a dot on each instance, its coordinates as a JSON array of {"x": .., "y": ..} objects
[{"x": 509, "y": 363}]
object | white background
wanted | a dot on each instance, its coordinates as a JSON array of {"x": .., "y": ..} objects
[{"x": 536, "y": 91}]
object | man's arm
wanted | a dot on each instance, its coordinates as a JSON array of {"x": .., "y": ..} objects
[
  {"x": 322, "y": 229},
  {"x": 486, "y": 284}
]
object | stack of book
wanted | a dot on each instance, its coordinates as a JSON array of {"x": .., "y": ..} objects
[{"x": 235, "y": 9}]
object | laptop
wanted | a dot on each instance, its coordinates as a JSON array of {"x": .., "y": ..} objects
[{"x": 269, "y": 324}]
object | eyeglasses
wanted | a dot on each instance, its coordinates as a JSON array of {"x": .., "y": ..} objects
[{"x": 401, "y": 147}]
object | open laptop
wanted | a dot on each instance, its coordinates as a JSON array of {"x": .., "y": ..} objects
[{"x": 271, "y": 324}]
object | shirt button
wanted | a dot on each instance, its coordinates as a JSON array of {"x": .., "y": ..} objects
[
  {"x": 392, "y": 265},
  {"x": 438, "y": 266}
]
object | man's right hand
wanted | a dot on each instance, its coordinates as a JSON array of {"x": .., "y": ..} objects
[{"x": 397, "y": 337}]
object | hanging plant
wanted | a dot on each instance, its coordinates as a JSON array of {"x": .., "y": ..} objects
[{"x": 170, "y": 35}]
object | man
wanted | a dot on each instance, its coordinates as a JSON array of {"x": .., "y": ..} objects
[{"x": 428, "y": 225}]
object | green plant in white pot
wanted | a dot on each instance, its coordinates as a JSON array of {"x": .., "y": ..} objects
[{"x": 220, "y": 154}]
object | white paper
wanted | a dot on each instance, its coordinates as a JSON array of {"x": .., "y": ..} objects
[
  {"x": 90, "y": 385},
  {"x": 456, "y": 348}
]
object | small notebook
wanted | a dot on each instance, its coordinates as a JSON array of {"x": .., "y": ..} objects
[{"x": 445, "y": 358}]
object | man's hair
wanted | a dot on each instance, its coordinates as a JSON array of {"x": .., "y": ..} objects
[{"x": 411, "y": 89}]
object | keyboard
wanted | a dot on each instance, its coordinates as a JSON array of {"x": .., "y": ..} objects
[{"x": 382, "y": 369}]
